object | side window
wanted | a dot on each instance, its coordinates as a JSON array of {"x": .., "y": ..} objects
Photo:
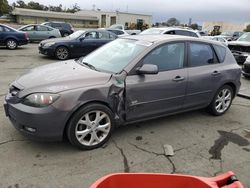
[
  {"x": 192, "y": 34},
  {"x": 91, "y": 35},
  {"x": 201, "y": 54},
  {"x": 170, "y": 32},
  {"x": 1, "y": 29},
  {"x": 41, "y": 28},
  {"x": 56, "y": 25},
  {"x": 29, "y": 28},
  {"x": 221, "y": 52},
  {"x": 103, "y": 35},
  {"x": 111, "y": 36},
  {"x": 181, "y": 32},
  {"x": 167, "y": 57},
  {"x": 7, "y": 29}
]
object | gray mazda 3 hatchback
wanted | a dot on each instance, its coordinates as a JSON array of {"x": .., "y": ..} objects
[{"x": 128, "y": 80}]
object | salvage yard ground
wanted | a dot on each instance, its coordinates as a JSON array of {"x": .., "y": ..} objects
[{"x": 204, "y": 145}]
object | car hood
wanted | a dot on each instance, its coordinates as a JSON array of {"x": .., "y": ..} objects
[
  {"x": 58, "y": 77},
  {"x": 239, "y": 43}
]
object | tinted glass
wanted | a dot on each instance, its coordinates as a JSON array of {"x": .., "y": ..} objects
[
  {"x": 167, "y": 57},
  {"x": 56, "y": 25},
  {"x": 184, "y": 33},
  {"x": 1, "y": 29},
  {"x": 200, "y": 54},
  {"x": 221, "y": 52}
]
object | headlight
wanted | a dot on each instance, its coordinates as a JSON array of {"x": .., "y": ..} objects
[
  {"x": 40, "y": 99},
  {"x": 49, "y": 44}
]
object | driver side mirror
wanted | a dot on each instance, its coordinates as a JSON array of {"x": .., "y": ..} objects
[
  {"x": 148, "y": 69},
  {"x": 81, "y": 39}
]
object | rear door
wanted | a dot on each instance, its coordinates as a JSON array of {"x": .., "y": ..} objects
[
  {"x": 42, "y": 32},
  {"x": 103, "y": 38},
  {"x": 88, "y": 44},
  {"x": 204, "y": 75},
  {"x": 162, "y": 93}
]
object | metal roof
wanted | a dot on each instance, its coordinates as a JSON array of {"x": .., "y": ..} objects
[{"x": 51, "y": 14}]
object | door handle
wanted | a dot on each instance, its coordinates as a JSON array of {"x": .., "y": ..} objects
[
  {"x": 178, "y": 78},
  {"x": 215, "y": 73}
]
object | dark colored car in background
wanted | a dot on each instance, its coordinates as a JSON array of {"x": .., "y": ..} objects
[
  {"x": 237, "y": 34},
  {"x": 12, "y": 38},
  {"x": 65, "y": 28},
  {"x": 79, "y": 43},
  {"x": 246, "y": 68},
  {"x": 131, "y": 79},
  {"x": 240, "y": 48}
]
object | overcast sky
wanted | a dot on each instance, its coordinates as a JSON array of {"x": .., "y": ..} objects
[{"x": 198, "y": 10}]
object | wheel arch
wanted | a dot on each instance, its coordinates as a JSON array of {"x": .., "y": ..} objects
[
  {"x": 74, "y": 111},
  {"x": 62, "y": 45},
  {"x": 233, "y": 86}
]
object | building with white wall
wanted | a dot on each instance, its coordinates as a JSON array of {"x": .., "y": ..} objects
[{"x": 106, "y": 19}]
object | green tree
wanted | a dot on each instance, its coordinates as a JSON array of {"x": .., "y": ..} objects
[
  {"x": 173, "y": 22},
  {"x": 4, "y": 7},
  {"x": 194, "y": 26},
  {"x": 247, "y": 28}
]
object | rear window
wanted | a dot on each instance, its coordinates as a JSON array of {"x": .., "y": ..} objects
[{"x": 221, "y": 52}]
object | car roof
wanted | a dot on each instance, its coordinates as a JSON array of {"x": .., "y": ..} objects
[
  {"x": 173, "y": 28},
  {"x": 169, "y": 38}
]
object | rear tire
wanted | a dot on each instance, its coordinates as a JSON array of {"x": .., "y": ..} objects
[
  {"x": 221, "y": 101},
  {"x": 91, "y": 126},
  {"x": 62, "y": 53},
  {"x": 11, "y": 44}
]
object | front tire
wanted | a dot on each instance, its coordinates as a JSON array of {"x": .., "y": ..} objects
[
  {"x": 11, "y": 44},
  {"x": 91, "y": 126},
  {"x": 62, "y": 53},
  {"x": 221, "y": 101}
]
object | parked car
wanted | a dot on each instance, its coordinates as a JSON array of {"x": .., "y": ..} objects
[
  {"x": 228, "y": 35},
  {"x": 78, "y": 44},
  {"x": 237, "y": 34},
  {"x": 131, "y": 79},
  {"x": 246, "y": 68},
  {"x": 65, "y": 28},
  {"x": 118, "y": 32},
  {"x": 123, "y": 28},
  {"x": 11, "y": 38},
  {"x": 217, "y": 38},
  {"x": 171, "y": 31},
  {"x": 40, "y": 32},
  {"x": 241, "y": 48}
]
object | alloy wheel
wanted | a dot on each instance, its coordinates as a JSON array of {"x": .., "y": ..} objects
[
  {"x": 93, "y": 128},
  {"x": 62, "y": 53},
  {"x": 223, "y": 100},
  {"x": 11, "y": 44}
]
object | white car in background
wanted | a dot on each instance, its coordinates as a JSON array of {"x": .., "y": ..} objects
[
  {"x": 171, "y": 31},
  {"x": 118, "y": 32},
  {"x": 217, "y": 38}
]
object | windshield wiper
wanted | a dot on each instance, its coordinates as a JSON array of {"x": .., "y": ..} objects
[{"x": 89, "y": 65}]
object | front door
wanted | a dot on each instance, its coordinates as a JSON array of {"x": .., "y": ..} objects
[{"x": 162, "y": 93}]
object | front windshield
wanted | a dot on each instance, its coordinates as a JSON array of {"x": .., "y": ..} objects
[
  {"x": 152, "y": 31},
  {"x": 245, "y": 37},
  {"x": 115, "y": 56},
  {"x": 76, "y": 34}
]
